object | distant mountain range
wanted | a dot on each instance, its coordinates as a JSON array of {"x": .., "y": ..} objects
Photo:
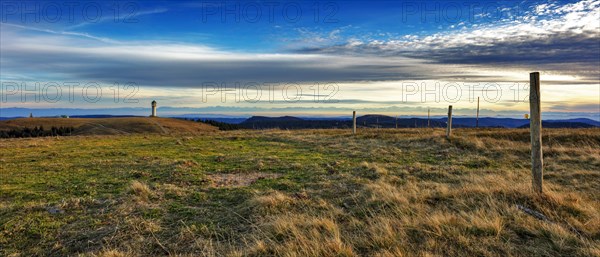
[
  {"x": 371, "y": 121},
  {"x": 559, "y": 124},
  {"x": 382, "y": 121},
  {"x": 519, "y": 123}
]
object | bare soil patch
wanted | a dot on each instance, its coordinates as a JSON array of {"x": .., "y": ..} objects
[{"x": 239, "y": 179}]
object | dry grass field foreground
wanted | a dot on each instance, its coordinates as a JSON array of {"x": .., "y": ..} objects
[{"x": 386, "y": 192}]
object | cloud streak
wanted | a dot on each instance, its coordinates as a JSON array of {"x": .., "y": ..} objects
[
  {"x": 130, "y": 17},
  {"x": 178, "y": 65}
]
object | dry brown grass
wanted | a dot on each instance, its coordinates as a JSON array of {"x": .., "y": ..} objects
[
  {"x": 403, "y": 192},
  {"x": 431, "y": 210}
]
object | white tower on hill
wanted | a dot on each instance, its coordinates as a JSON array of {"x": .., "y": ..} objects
[{"x": 153, "y": 109}]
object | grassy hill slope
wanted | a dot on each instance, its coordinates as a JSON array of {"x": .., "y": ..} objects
[
  {"x": 383, "y": 192},
  {"x": 112, "y": 126}
]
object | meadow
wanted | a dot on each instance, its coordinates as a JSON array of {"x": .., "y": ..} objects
[{"x": 383, "y": 192}]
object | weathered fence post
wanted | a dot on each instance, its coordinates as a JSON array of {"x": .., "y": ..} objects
[
  {"x": 353, "y": 122},
  {"x": 535, "y": 128},
  {"x": 477, "y": 119},
  {"x": 449, "y": 123}
]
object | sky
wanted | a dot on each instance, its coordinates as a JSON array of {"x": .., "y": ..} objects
[{"x": 304, "y": 58}]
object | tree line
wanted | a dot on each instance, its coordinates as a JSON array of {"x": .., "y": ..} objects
[
  {"x": 222, "y": 125},
  {"x": 36, "y": 132},
  {"x": 219, "y": 124}
]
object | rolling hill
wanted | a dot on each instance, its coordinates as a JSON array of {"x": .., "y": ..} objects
[{"x": 111, "y": 126}]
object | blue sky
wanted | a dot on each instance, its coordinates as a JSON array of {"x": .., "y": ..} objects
[{"x": 308, "y": 57}]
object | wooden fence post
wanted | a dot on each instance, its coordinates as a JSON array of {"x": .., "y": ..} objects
[
  {"x": 428, "y": 114},
  {"x": 477, "y": 119},
  {"x": 535, "y": 128},
  {"x": 353, "y": 122},
  {"x": 449, "y": 123}
]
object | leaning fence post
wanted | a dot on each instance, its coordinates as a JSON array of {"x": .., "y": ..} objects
[
  {"x": 449, "y": 123},
  {"x": 535, "y": 128},
  {"x": 353, "y": 122}
]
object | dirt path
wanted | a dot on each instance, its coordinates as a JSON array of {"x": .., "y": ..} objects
[
  {"x": 164, "y": 131},
  {"x": 114, "y": 129}
]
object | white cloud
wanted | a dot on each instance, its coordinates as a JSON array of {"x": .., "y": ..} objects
[{"x": 549, "y": 35}]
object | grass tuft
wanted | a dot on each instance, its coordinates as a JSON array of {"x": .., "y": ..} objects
[{"x": 141, "y": 190}]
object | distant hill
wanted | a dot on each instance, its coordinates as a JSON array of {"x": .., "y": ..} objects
[
  {"x": 579, "y": 120},
  {"x": 225, "y": 120},
  {"x": 9, "y": 118},
  {"x": 111, "y": 126},
  {"x": 383, "y": 121},
  {"x": 273, "y": 119},
  {"x": 289, "y": 122},
  {"x": 215, "y": 117},
  {"x": 487, "y": 122},
  {"x": 560, "y": 124}
]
